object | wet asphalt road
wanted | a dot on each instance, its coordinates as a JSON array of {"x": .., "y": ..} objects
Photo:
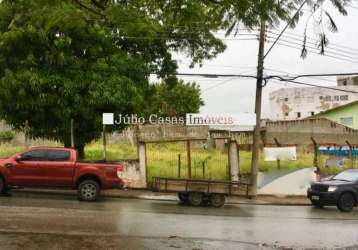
[{"x": 62, "y": 222}]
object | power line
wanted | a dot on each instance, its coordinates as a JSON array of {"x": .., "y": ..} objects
[
  {"x": 287, "y": 25},
  {"x": 337, "y": 48},
  {"x": 314, "y": 40},
  {"x": 325, "y": 74},
  {"x": 233, "y": 76},
  {"x": 315, "y": 78},
  {"x": 219, "y": 84},
  {"x": 312, "y": 85},
  {"x": 315, "y": 52},
  {"x": 326, "y": 52}
]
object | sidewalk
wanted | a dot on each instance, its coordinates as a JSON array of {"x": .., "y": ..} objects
[{"x": 149, "y": 195}]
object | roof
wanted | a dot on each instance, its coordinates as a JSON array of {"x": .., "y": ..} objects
[
  {"x": 48, "y": 147},
  {"x": 336, "y": 108}
]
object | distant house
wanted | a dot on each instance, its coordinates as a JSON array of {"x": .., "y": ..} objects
[
  {"x": 300, "y": 103},
  {"x": 346, "y": 114}
]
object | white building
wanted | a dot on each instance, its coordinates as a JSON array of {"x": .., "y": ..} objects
[{"x": 299, "y": 103}]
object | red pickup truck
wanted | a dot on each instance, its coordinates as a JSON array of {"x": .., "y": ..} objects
[{"x": 57, "y": 167}]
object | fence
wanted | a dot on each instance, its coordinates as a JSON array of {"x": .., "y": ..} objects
[{"x": 186, "y": 159}]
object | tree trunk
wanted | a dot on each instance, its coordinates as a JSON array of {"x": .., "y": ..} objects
[
  {"x": 79, "y": 147},
  {"x": 80, "y": 151}
]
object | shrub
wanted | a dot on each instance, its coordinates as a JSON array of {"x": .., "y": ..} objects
[{"x": 7, "y": 135}]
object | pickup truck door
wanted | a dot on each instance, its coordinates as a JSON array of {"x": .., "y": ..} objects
[
  {"x": 59, "y": 168},
  {"x": 26, "y": 171}
]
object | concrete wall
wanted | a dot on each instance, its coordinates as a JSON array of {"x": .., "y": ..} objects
[
  {"x": 288, "y": 103},
  {"x": 132, "y": 174},
  {"x": 300, "y": 132}
]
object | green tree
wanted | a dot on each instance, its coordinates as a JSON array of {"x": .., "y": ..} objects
[
  {"x": 56, "y": 65},
  {"x": 74, "y": 59},
  {"x": 174, "y": 101},
  {"x": 60, "y": 62}
]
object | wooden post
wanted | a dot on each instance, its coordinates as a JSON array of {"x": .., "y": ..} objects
[
  {"x": 72, "y": 135},
  {"x": 188, "y": 150},
  {"x": 350, "y": 154},
  {"x": 278, "y": 160},
  {"x": 104, "y": 143},
  {"x": 26, "y": 134},
  {"x": 179, "y": 165},
  {"x": 315, "y": 159},
  {"x": 203, "y": 165}
]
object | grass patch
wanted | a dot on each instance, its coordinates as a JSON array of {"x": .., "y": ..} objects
[
  {"x": 7, "y": 150},
  {"x": 163, "y": 160},
  {"x": 94, "y": 151}
]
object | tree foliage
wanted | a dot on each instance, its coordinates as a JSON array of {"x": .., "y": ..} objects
[
  {"x": 58, "y": 63},
  {"x": 174, "y": 101},
  {"x": 74, "y": 59}
]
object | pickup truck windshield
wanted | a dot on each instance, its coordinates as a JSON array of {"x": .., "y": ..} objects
[{"x": 347, "y": 176}]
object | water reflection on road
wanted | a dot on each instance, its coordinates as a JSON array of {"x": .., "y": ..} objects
[{"x": 289, "y": 226}]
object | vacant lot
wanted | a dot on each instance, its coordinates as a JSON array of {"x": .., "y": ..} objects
[{"x": 170, "y": 159}]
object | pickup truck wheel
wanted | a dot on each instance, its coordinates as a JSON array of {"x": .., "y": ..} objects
[
  {"x": 346, "y": 202},
  {"x": 217, "y": 200},
  {"x": 195, "y": 199},
  {"x": 88, "y": 190}
]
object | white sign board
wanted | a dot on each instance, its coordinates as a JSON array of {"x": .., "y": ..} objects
[{"x": 280, "y": 153}]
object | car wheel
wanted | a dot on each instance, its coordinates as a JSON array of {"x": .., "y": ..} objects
[
  {"x": 183, "y": 197},
  {"x": 346, "y": 202},
  {"x": 217, "y": 200},
  {"x": 195, "y": 199},
  {"x": 88, "y": 190},
  {"x": 317, "y": 204}
]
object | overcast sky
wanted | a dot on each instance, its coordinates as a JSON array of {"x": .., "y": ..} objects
[{"x": 238, "y": 95}]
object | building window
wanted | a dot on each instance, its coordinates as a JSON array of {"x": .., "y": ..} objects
[
  {"x": 355, "y": 82},
  {"x": 344, "y": 97},
  {"x": 345, "y": 83},
  {"x": 347, "y": 121},
  {"x": 321, "y": 97},
  {"x": 328, "y": 98},
  {"x": 298, "y": 114},
  {"x": 336, "y": 98},
  {"x": 286, "y": 99},
  {"x": 312, "y": 113},
  {"x": 286, "y": 114}
]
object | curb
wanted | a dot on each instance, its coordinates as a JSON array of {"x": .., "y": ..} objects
[{"x": 264, "y": 200}]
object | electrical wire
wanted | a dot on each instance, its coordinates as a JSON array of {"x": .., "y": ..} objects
[
  {"x": 285, "y": 28},
  {"x": 315, "y": 78},
  {"x": 314, "y": 40},
  {"x": 299, "y": 48},
  {"x": 335, "y": 48},
  {"x": 326, "y": 51},
  {"x": 311, "y": 85}
]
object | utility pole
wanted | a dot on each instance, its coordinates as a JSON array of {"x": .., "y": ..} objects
[
  {"x": 72, "y": 134},
  {"x": 260, "y": 69},
  {"x": 257, "y": 130},
  {"x": 104, "y": 138}
]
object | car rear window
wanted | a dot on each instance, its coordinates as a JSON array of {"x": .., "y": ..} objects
[{"x": 58, "y": 155}]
